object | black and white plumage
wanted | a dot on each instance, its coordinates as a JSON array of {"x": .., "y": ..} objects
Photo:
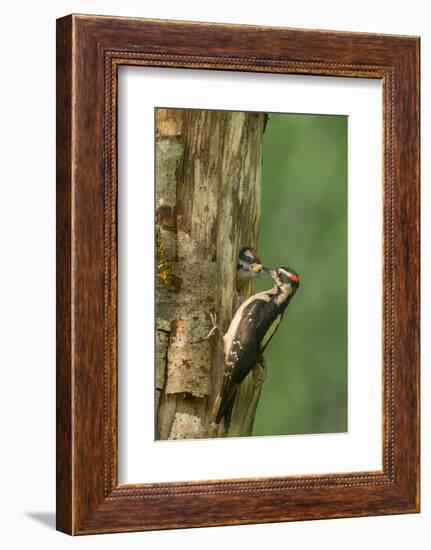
[
  {"x": 249, "y": 265},
  {"x": 251, "y": 329}
]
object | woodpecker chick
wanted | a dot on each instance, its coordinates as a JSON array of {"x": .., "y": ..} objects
[
  {"x": 249, "y": 266},
  {"x": 249, "y": 333}
]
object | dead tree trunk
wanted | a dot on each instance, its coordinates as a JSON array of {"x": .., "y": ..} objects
[{"x": 208, "y": 167}]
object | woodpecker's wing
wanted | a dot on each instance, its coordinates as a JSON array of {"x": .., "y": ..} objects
[
  {"x": 248, "y": 336},
  {"x": 250, "y": 330}
]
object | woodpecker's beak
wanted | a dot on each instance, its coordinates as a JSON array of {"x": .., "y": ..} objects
[
  {"x": 270, "y": 272},
  {"x": 266, "y": 271}
]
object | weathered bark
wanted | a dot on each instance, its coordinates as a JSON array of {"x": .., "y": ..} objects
[{"x": 208, "y": 166}]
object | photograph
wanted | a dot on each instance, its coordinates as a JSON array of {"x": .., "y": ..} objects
[
  {"x": 251, "y": 235},
  {"x": 237, "y": 272}
]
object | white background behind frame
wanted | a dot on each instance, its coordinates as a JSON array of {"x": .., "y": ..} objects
[
  {"x": 28, "y": 303},
  {"x": 141, "y": 459}
]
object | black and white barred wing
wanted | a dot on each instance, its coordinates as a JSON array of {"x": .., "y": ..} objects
[{"x": 241, "y": 343}]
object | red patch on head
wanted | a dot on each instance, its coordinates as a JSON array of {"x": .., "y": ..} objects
[
  {"x": 294, "y": 278},
  {"x": 256, "y": 255}
]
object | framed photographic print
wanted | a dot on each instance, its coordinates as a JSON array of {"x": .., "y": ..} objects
[{"x": 237, "y": 274}]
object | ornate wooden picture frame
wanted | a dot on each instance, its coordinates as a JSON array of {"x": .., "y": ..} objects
[{"x": 89, "y": 51}]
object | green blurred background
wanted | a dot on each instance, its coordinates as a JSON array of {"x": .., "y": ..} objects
[{"x": 303, "y": 225}]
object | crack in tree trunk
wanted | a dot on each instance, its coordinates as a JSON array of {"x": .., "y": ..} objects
[{"x": 208, "y": 167}]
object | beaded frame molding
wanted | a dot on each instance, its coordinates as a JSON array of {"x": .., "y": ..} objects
[{"x": 89, "y": 51}]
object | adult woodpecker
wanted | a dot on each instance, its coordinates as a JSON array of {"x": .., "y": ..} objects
[{"x": 251, "y": 329}]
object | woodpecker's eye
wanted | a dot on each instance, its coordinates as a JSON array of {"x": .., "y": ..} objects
[{"x": 249, "y": 257}]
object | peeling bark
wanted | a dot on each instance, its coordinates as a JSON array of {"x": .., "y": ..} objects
[{"x": 208, "y": 166}]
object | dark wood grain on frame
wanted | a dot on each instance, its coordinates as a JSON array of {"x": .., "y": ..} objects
[{"x": 89, "y": 51}]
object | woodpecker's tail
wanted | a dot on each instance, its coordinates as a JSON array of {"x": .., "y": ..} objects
[
  {"x": 223, "y": 408},
  {"x": 225, "y": 411}
]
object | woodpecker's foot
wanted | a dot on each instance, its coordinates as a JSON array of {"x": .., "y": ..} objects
[{"x": 214, "y": 328}]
